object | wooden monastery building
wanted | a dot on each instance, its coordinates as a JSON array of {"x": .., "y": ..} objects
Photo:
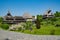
[{"x": 9, "y": 19}]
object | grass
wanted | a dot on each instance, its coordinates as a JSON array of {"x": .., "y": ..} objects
[{"x": 44, "y": 30}]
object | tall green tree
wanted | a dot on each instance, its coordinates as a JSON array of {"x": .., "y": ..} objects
[
  {"x": 38, "y": 22},
  {"x": 1, "y": 19}
]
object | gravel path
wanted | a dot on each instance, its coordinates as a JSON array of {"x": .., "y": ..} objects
[{"x": 5, "y": 35}]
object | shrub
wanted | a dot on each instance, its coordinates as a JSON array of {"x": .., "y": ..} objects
[
  {"x": 52, "y": 32},
  {"x": 28, "y": 24},
  {"x": 0, "y": 24},
  {"x": 20, "y": 28},
  {"x": 57, "y": 25},
  {"x": 5, "y": 26}
]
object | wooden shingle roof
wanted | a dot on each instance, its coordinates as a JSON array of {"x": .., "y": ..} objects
[{"x": 27, "y": 15}]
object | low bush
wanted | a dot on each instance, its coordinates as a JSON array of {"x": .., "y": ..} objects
[
  {"x": 52, "y": 32},
  {"x": 5, "y": 26}
]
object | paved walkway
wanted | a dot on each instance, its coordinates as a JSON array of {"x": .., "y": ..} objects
[{"x": 5, "y": 35}]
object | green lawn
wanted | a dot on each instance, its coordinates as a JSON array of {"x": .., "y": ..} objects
[{"x": 44, "y": 30}]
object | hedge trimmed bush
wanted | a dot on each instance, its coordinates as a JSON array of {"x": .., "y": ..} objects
[{"x": 5, "y": 26}]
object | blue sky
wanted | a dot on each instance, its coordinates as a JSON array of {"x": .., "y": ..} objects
[{"x": 34, "y": 7}]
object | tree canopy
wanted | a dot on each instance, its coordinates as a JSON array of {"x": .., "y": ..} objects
[{"x": 57, "y": 14}]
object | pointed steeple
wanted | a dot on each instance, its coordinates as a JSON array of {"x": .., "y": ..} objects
[
  {"x": 49, "y": 10},
  {"x": 9, "y": 14}
]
